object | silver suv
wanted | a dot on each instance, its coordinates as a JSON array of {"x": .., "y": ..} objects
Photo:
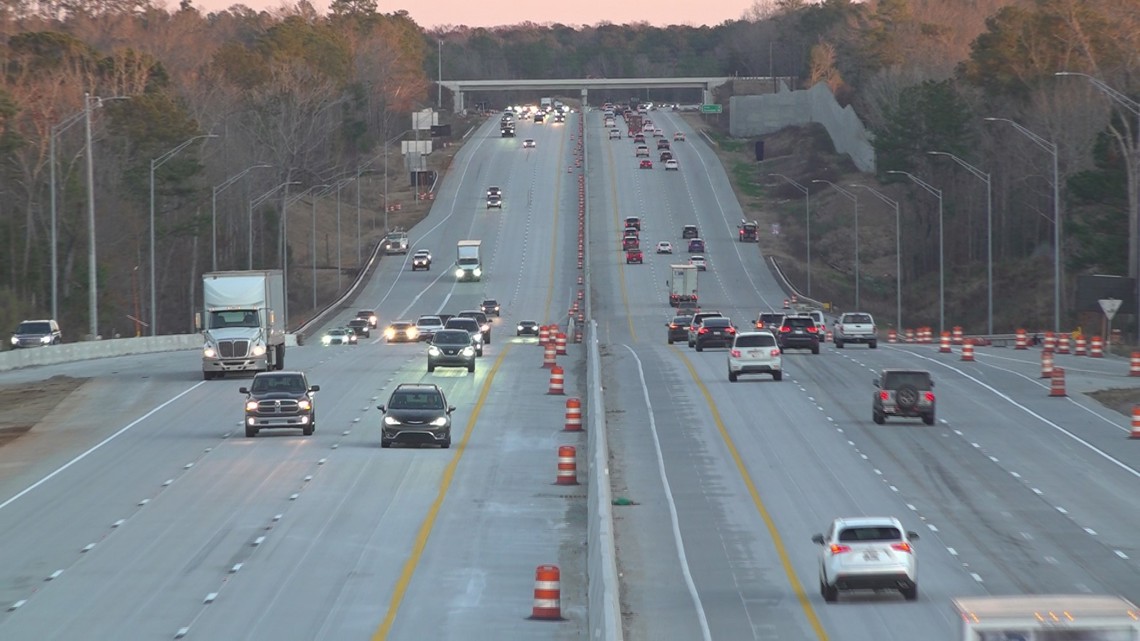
[
  {"x": 903, "y": 392},
  {"x": 36, "y": 333}
]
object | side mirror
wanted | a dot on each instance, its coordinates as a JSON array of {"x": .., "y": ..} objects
[
  {"x": 931, "y": 384},
  {"x": 912, "y": 535},
  {"x": 314, "y": 388},
  {"x": 381, "y": 408},
  {"x": 875, "y": 382},
  {"x": 243, "y": 390},
  {"x": 817, "y": 539},
  {"x": 450, "y": 409}
]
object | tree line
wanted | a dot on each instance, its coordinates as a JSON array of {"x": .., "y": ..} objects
[{"x": 312, "y": 96}]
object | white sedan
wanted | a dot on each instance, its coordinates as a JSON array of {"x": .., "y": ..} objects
[
  {"x": 699, "y": 263},
  {"x": 867, "y": 553},
  {"x": 528, "y": 143},
  {"x": 672, "y": 164},
  {"x": 664, "y": 247}
]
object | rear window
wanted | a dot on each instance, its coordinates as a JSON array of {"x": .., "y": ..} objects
[
  {"x": 862, "y": 534},
  {"x": 805, "y": 321},
  {"x": 771, "y": 318},
  {"x": 917, "y": 379},
  {"x": 857, "y": 318},
  {"x": 682, "y": 320},
  {"x": 756, "y": 340},
  {"x": 716, "y": 322},
  {"x": 429, "y": 320},
  {"x": 462, "y": 323}
]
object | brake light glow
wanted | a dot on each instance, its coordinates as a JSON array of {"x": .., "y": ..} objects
[
  {"x": 884, "y": 395},
  {"x": 902, "y": 547},
  {"x": 812, "y": 329},
  {"x": 703, "y": 330},
  {"x": 672, "y": 325},
  {"x": 735, "y": 353},
  {"x": 785, "y": 329},
  {"x": 730, "y": 330},
  {"x": 930, "y": 396},
  {"x": 775, "y": 351},
  {"x": 839, "y": 549}
]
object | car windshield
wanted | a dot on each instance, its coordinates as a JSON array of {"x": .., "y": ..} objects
[
  {"x": 756, "y": 340},
  {"x": 462, "y": 323},
  {"x": 865, "y": 534},
  {"x": 898, "y": 379},
  {"x": 336, "y": 332},
  {"x": 429, "y": 320},
  {"x": 233, "y": 318},
  {"x": 401, "y": 325},
  {"x": 456, "y": 337},
  {"x": 34, "y": 327},
  {"x": 415, "y": 401},
  {"x": 857, "y": 318},
  {"x": 287, "y": 384}
]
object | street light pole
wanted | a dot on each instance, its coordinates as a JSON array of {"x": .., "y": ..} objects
[
  {"x": 1051, "y": 148},
  {"x": 92, "y": 280},
  {"x": 214, "y": 211},
  {"x": 1133, "y": 181},
  {"x": 807, "y": 222},
  {"x": 898, "y": 253},
  {"x": 854, "y": 199},
  {"x": 984, "y": 177},
  {"x": 941, "y": 246},
  {"x": 155, "y": 163},
  {"x": 439, "y": 78}
]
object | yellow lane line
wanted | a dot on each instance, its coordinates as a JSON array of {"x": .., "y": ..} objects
[
  {"x": 778, "y": 542},
  {"x": 554, "y": 229},
  {"x": 429, "y": 521},
  {"x": 617, "y": 226}
]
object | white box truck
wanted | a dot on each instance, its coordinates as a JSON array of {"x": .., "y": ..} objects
[
  {"x": 468, "y": 264},
  {"x": 1045, "y": 617},
  {"x": 683, "y": 284},
  {"x": 242, "y": 322}
]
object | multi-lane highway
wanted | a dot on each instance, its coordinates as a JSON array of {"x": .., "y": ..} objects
[{"x": 137, "y": 509}]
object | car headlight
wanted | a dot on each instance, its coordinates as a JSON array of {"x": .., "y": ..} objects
[
  {"x": 468, "y": 351},
  {"x": 258, "y": 350},
  {"x": 305, "y": 404},
  {"x": 484, "y": 327},
  {"x": 478, "y": 272},
  {"x": 433, "y": 350},
  {"x": 459, "y": 273},
  {"x": 520, "y": 328},
  {"x": 46, "y": 340},
  {"x": 326, "y": 340},
  {"x": 372, "y": 319},
  {"x": 251, "y": 406},
  {"x": 388, "y": 420},
  {"x": 15, "y": 340},
  {"x": 207, "y": 351},
  {"x": 352, "y": 339},
  {"x": 413, "y": 332},
  {"x": 439, "y": 422},
  {"x": 389, "y": 333}
]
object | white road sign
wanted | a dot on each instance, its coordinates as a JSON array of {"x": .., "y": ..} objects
[{"x": 1109, "y": 306}]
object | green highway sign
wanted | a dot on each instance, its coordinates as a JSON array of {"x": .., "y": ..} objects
[{"x": 710, "y": 109}]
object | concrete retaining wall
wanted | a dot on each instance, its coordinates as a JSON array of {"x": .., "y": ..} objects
[
  {"x": 603, "y": 589},
  {"x": 751, "y": 116},
  {"x": 67, "y": 352}
]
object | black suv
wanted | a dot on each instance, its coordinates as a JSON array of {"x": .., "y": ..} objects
[
  {"x": 451, "y": 348},
  {"x": 471, "y": 326},
  {"x": 36, "y": 333},
  {"x": 715, "y": 330},
  {"x": 689, "y": 231},
  {"x": 903, "y": 392},
  {"x": 678, "y": 328},
  {"x": 368, "y": 315},
  {"x": 361, "y": 327},
  {"x": 280, "y": 400},
  {"x": 490, "y": 307},
  {"x": 416, "y": 413},
  {"x": 799, "y": 332},
  {"x": 481, "y": 318}
]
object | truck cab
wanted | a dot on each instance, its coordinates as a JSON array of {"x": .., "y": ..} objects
[{"x": 396, "y": 242}]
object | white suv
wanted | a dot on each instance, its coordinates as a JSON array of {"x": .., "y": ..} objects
[
  {"x": 867, "y": 553},
  {"x": 754, "y": 353}
]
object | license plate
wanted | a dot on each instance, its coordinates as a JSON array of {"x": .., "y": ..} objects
[
  {"x": 754, "y": 353},
  {"x": 870, "y": 555}
]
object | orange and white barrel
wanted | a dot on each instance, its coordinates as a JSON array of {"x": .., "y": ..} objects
[
  {"x": 557, "y": 381},
  {"x": 968, "y": 351},
  {"x": 547, "y": 593},
  {"x": 892, "y": 336},
  {"x": 944, "y": 343},
  {"x": 1135, "y": 432},
  {"x": 573, "y": 415},
  {"x": 1046, "y": 364},
  {"x": 1050, "y": 342},
  {"x": 1063, "y": 343},
  {"x": 549, "y": 356},
  {"x": 956, "y": 336},
  {"x": 1079, "y": 346},
  {"x": 1134, "y": 364},
  {"x": 567, "y": 465},
  {"x": 1096, "y": 348},
  {"x": 543, "y": 335},
  {"x": 560, "y": 344},
  {"x": 1021, "y": 340},
  {"x": 1057, "y": 387}
]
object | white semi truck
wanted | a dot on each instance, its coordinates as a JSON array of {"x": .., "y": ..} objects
[
  {"x": 683, "y": 284},
  {"x": 468, "y": 264},
  {"x": 242, "y": 322},
  {"x": 1045, "y": 617}
]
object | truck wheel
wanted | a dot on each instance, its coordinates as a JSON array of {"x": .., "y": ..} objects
[
  {"x": 838, "y": 343},
  {"x": 307, "y": 430},
  {"x": 431, "y": 367},
  {"x": 878, "y": 417},
  {"x": 777, "y": 376},
  {"x": 250, "y": 432},
  {"x": 928, "y": 418},
  {"x": 873, "y": 344},
  {"x": 207, "y": 376}
]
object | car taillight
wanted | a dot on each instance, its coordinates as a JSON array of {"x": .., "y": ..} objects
[
  {"x": 730, "y": 330},
  {"x": 812, "y": 329},
  {"x": 703, "y": 330},
  {"x": 734, "y": 352},
  {"x": 839, "y": 549},
  {"x": 785, "y": 329},
  {"x": 930, "y": 397},
  {"x": 774, "y": 352},
  {"x": 902, "y": 547},
  {"x": 884, "y": 395},
  {"x": 672, "y": 325}
]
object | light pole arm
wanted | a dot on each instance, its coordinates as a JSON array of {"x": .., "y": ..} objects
[
  {"x": 851, "y": 196},
  {"x": 886, "y": 199},
  {"x": 161, "y": 160},
  {"x": 793, "y": 183},
  {"x": 1041, "y": 142},
  {"x": 978, "y": 173},
  {"x": 1128, "y": 103},
  {"x": 920, "y": 182}
]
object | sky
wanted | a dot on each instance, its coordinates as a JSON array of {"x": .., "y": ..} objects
[{"x": 491, "y": 13}]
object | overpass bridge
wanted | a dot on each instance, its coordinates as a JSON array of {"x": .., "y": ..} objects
[{"x": 583, "y": 85}]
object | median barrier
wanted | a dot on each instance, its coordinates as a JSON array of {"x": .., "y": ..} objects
[{"x": 89, "y": 350}]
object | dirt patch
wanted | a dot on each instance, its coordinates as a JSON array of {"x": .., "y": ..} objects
[
  {"x": 25, "y": 404},
  {"x": 1118, "y": 400}
]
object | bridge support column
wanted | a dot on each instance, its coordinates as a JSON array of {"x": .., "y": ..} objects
[
  {"x": 457, "y": 99},
  {"x": 707, "y": 97},
  {"x": 585, "y": 96}
]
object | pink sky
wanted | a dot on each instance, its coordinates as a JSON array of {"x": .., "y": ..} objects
[{"x": 489, "y": 13}]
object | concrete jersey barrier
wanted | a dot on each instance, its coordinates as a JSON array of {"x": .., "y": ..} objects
[{"x": 88, "y": 350}]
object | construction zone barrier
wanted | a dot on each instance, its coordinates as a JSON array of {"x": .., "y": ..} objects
[
  {"x": 560, "y": 344},
  {"x": 567, "y": 465},
  {"x": 1096, "y": 348},
  {"x": 543, "y": 335},
  {"x": 1050, "y": 342},
  {"x": 557, "y": 381},
  {"x": 910, "y": 335},
  {"x": 573, "y": 415},
  {"x": 957, "y": 335},
  {"x": 1134, "y": 364},
  {"x": 547, "y": 594},
  {"x": 968, "y": 350},
  {"x": 1135, "y": 432},
  {"x": 1057, "y": 383},
  {"x": 1063, "y": 343},
  {"x": 892, "y": 336},
  {"x": 1021, "y": 340},
  {"x": 1046, "y": 364},
  {"x": 549, "y": 355},
  {"x": 944, "y": 343},
  {"x": 1080, "y": 346}
]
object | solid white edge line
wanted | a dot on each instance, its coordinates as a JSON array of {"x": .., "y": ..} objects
[
  {"x": 706, "y": 634},
  {"x": 98, "y": 445}
]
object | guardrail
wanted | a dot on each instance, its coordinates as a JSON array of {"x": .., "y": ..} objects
[{"x": 787, "y": 284}]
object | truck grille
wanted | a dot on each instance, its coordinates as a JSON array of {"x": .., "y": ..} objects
[
  {"x": 277, "y": 406},
  {"x": 233, "y": 349}
]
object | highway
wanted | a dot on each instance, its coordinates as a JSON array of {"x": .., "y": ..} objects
[
  {"x": 138, "y": 510},
  {"x": 1011, "y": 491}
]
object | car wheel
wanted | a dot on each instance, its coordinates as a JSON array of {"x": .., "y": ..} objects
[
  {"x": 207, "y": 376},
  {"x": 471, "y": 368},
  {"x": 446, "y": 443},
  {"x": 699, "y": 347},
  {"x": 307, "y": 430},
  {"x": 838, "y": 343},
  {"x": 690, "y": 344},
  {"x": 878, "y": 417},
  {"x": 830, "y": 593},
  {"x": 873, "y": 344},
  {"x": 732, "y": 376},
  {"x": 815, "y": 349},
  {"x": 777, "y": 376},
  {"x": 911, "y": 593},
  {"x": 431, "y": 367},
  {"x": 928, "y": 418},
  {"x": 488, "y": 338},
  {"x": 250, "y": 432},
  {"x": 385, "y": 444},
  {"x": 479, "y": 353},
  {"x": 668, "y": 339}
]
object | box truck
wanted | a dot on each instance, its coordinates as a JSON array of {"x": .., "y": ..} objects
[
  {"x": 468, "y": 265},
  {"x": 242, "y": 322},
  {"x": 683, "y": 285}
]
